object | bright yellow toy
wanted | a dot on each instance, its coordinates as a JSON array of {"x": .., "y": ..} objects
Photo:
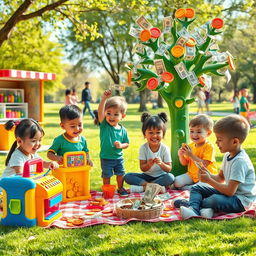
[{"x": 75, "y": 177}]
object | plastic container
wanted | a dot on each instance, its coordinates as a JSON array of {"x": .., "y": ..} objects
[{"x": 108, "y": 191}]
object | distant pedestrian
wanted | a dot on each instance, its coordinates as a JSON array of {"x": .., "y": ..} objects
[
  {"x": 68, "y": 97},
  {"x": 244, "y": 106},
  {"x": 74, "y": 97},
  {"x": 207, "y": 101},
  {"x": 86, "y": 99},
  {"x": 200, "y": 101},
  {"x": 236, "y": 102}
]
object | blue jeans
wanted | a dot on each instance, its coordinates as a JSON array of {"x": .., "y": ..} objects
[
  {"x": 209, "y": 197},
  {"x": 112, "y": 167},
  {"x": 87, "y": 105},
  {"x": 140, "y": 178}
]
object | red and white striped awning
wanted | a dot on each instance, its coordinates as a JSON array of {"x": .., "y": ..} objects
[{"x": 12, "y": 74}]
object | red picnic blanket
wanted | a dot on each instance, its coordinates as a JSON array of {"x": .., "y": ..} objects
[{"x": 79, "y": 209}]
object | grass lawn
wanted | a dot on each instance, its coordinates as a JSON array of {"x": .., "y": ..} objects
[{"x": 192, "y": 237}]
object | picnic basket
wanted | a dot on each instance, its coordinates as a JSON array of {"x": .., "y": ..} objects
[{"x": 138, "y": 214}]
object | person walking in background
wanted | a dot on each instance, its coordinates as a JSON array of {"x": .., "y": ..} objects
[
  {"x": 74, "y": 97},
  {"x": 236, "y": 102},
  {"x": 200, "y": 101},
  {"x": 244, "y": 106},
  {"x": 68, "y": 97},
  {"x": 86, "y": 99},
  {"x": 207, "y": 101}
]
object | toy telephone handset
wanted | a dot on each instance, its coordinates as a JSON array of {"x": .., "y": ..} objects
[
  {"x": 39, "y": 166},
  {"x": 74, "y": 159}
]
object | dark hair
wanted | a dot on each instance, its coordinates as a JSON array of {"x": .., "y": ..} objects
[
  {"x": 86, "y": 83},
  {"x": 67, "y": 92},
  {"x": 233, "y": 126},
  {"x": 157, "y": 121},
  {"x": 24, "y": 128},
  {"x": 70, "y": 112},
  {"x": 96, "y": 119},
  {"x": 73, "y": 89}
]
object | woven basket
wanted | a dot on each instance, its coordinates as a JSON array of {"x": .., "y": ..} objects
[{"x": 138, "y": 214}]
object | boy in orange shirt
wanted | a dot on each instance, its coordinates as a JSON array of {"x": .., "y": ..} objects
[{"x": 199, "y": 151}]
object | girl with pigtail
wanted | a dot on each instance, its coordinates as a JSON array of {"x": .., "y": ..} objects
[
  {"x": 154, "y": 156},
  {"x": 28, "y": 134}
]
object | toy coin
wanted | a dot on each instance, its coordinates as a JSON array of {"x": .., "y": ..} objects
[
  {"x": 77, "y": 222},
  {"x": 165, "y": 215},
  {"x": 95, "y": 202},
  {"x": 152, "y": 83},
  {"x": 177, "y": 51},
  {"x": 69, "y": 220},
  {"x": 69, "y": 224},
  {"x": 99, "y": 199},
  {"x": 168, "y": 209},
  {"x": 217, "y": 23},
  {"x": 178, "y": 103},
  {"x": 167, "y": 77},
  {"x": 107, "y": 215},
  {"x": 190, "y": 13},
  {"x": 231, "y": 63},
  {"x": 145, "y": 35},
  {"x": 155, "y": 32},
  {"x": 89, "y": 213},
  {"x": 96, "y": 210},
  {"x": 63, "y": 218},
  {"x": 191, "y": 42},
  {"x": 107, "y": 211},
  {"x": 180, "y": 13}
]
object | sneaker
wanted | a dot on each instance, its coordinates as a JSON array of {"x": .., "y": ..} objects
[
  {"x": 207, "y": 213},
  {"x": 187, "y": 212},
  {"x": 181, "y": 202},
  {"x": 122, "y": 192},
  {"x": 136, "y": 189}
]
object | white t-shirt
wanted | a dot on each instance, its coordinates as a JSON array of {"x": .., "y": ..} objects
[
  {"x": 163, "y": 153},
  {"x": 17, "y": 159},
  {"x": 240, "y": 168}
]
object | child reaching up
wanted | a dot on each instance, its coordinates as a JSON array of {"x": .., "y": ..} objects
[
  {"x": 200, "y": 150},
  {"x": 113, "y": 138},
  {"x": 233, "y": 189},
  {"x": 155, "y": 158},
  {"x": 71, "y": 121},
  {"x": 28, "y": 134}
]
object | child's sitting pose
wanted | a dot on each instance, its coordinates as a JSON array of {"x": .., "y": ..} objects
[
  {"x": 234, "y": 188},
  {"x": 155, "y": 158},
  {"x": 28, "y": 134},
  {"x": 113, "y": 138},
  {"x": 71, "y": 120},
  {"x": 199, "y": 150}
]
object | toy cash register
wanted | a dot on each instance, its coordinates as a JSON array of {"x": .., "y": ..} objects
[
  {"x": 32, "y": 199},
  {"x": 75, "y": 176}
]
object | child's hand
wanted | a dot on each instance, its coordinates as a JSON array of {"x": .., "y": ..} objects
[
  {"x": 118, "y": 144},
  {"x": 107, "y": 94},
  {"x": 188, "y": 151},
  {"x": 158, "y": 161},
  {"x": 204, "y": 175},
  {"x": 89, "y": 162},
  {"x": 53, "y": 165},
  {"x": 150, "y": 162},
  {"x": 60, "y": 160},
  {"x": 181, "y": 152}
]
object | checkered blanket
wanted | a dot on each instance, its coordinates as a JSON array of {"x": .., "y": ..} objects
[{"x": 78, "y": 208}]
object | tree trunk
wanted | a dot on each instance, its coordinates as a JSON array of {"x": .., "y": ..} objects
[
  {"x": 254, "y": 92},
  {"x": 143, "y": 100},
  {"x": 160, "y": 103}
]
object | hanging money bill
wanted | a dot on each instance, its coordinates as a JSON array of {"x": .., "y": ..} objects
[
  {"x": 162, "y": 49},
  {"x": 160, "y": 67},
  {"x": 220, "y": 57},
  {"x": 181, "y": 70},
  {"x": 152, "y": 189},
  {"x": 135, "y": 32},
  {"x": 143, "y": 22},
  {"x": 139, "y": 48},
  {"x": 190, "y": 53},
  {"x": 117, "y": 87},
  {"x": 214, "y": 47},
  {"x": 207, "y": 82},
  {"x": 184, "y": 33},
  {"x": 192, "y": 78},
  {"x": 181, "y": 41},
  {"x": 167, "y": 24},
  {"x": 199, "y": 39}
]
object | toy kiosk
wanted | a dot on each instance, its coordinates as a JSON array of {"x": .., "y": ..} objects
[
  {"x": 32, "y": 199},
  {"x": 21, "y": 96},
  {"x": 75, "y": 176}
]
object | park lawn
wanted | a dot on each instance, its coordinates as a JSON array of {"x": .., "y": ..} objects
[{"x": 191, "y": 237}]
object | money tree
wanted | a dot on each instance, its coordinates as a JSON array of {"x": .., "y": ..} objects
[{"x": 176, "y": 68}]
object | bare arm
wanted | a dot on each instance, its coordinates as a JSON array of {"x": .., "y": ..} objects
[
  {"x": 101, "y": 107},
  {"x": 54, "y": 157},
  {"x": 18, "y": 169},
  {"x": 165, "y": 166},
  {"x": 145, "y": 165},
  {"x": 182, "y": 159},
  {"x": 121, "y": 145},
  {"x": 50, "y": 165}
]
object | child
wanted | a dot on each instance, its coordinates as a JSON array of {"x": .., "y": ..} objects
[
  {"x": 155, "y": 158},
  {"x": 244, "y": 106},
  {"x": 113, "y": 139},
  {"x": 200, "y": 101},
  {"x": 71, "y": 120},
  {"x": 28, "y": 134},
  {"x": 199, "y": 150},
  {"x": 236, "y": 102},
  {"x": 68, "y": 97},
  {"x": 234, "y": 188},
  {"x": 74, "y": 97}
]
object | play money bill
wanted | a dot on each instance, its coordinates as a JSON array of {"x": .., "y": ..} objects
[
  {"x": 143, "y": 22},
  {"x": 160, "y": 67},
  {"x": 138, "y": 48},
  {"x": 192, "y": 78},
  {"x": 167, "y": 24},
  {"x": 134, "y": 32},
  {"x": 181, "y": 70}
]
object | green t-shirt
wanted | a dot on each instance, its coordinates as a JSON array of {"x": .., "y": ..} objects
[
  {"x": 108, "y": 135},
  {"x": 243, "y": 101},
  {"x": 62, "y": 145}
]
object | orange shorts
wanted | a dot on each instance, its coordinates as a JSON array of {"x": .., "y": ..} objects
[{"x": 244, "y": 114}]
